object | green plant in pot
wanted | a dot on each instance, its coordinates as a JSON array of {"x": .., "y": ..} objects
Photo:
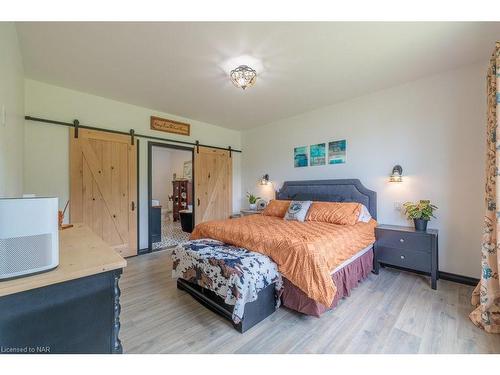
[
  {"x": 421, "y": 212},
  {"x": 252, "y": 200}
]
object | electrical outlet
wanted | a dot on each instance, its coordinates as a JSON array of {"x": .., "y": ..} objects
[{"x": 398, "y": 206}]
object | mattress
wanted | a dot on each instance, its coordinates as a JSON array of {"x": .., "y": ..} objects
[{"x": 353, "y": 258}]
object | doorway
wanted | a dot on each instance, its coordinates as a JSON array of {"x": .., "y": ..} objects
[{"x": 170, "y": 195}]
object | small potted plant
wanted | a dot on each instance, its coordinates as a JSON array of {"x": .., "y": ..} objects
[
  {"x": 252, "y": 200},
  {"x": 421, "y": 212}
]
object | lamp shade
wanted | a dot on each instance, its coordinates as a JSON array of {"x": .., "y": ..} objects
[
  {"x": 397, "y": 174},
  {"x": 264, "y": 180}
]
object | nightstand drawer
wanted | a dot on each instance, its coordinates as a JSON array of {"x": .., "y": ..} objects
[
  {"x": 415, "y": 260},
  {"x": 403, "y": 240}
]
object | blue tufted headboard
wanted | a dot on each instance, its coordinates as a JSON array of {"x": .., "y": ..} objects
[{"x": 343, "y": 190}]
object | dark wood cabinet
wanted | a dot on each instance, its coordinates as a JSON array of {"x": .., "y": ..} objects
[
  {"x": 407, "y": 248},
  {"x": 181, "y": 197}
]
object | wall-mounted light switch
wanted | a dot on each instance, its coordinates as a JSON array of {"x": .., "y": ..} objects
[{"x": 398, "y": 206}]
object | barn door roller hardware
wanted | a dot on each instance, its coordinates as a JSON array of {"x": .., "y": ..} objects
[
  {"x": 132, "y": 133},
  {"x": 76, "y": 125}
]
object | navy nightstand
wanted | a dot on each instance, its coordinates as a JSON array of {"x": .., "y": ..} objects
[{"x": 407, "y": 248}]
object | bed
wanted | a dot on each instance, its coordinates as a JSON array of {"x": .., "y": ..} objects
[
  {"x": 348, "y": 274},
  {"x": 319, "y": 262}
]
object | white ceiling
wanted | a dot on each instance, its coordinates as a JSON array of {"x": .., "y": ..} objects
[{"x": 178, "y": 67}]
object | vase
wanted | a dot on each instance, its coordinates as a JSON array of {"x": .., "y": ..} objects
[
  {"x": 420, "y": 225},
  {"x": 253, "y": 206}
]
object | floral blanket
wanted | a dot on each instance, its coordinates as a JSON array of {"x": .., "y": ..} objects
[{"x": 233, "y": 273}]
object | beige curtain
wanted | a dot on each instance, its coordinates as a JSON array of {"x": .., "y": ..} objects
[{"x": 486, "y": 296}]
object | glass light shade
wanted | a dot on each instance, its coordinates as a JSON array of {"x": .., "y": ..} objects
[
  {"x": 243, "y": 76},
  {"x": 264, "y": 180},
  {"x": 397, "y": 174},
  {"x": 396, "y": 178}
]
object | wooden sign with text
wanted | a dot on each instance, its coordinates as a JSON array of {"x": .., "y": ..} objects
[{"x": 169, "y": 126}]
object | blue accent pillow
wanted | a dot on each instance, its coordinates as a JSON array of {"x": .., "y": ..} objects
[{"x": 297, "y": 210}]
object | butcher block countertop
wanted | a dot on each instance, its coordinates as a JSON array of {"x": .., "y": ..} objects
[{"x": 81, "y": 253}]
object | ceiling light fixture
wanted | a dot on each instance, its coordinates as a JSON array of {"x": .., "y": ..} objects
[{"x": 243, "y": 76}]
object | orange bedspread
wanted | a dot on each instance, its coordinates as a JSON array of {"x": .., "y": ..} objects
[{"x": 305, "y": 252}]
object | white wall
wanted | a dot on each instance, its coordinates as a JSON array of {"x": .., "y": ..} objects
[
  {"x": 434, "y": 128},
  {"x": 165, "y": 163},
  {"x": 12, "y": 99},
  {"x": 46, "y": 166}
]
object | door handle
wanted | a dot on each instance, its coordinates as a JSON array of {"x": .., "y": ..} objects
[
  {"x": 133, "y": 206},
  {"x": 198, "y": 201}
]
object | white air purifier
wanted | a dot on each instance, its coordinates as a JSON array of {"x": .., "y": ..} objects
[{"x": 29, "y": 236}]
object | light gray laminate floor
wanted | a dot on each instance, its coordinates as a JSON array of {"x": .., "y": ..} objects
[{"x": 394, "y": 312}]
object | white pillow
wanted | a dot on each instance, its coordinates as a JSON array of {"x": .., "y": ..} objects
[
  {"x": 364, "y": 215},
  {"x": 297, "y": 210}
]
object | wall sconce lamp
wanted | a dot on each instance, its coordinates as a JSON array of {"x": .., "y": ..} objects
[
  {"x": 397, "y": 174},
  {"x": 264, "y": 180}
]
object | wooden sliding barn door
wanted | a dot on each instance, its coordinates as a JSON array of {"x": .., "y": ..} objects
[
  {"x": 103, "y": 187},
  {"x": 213, "y": 184}
]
